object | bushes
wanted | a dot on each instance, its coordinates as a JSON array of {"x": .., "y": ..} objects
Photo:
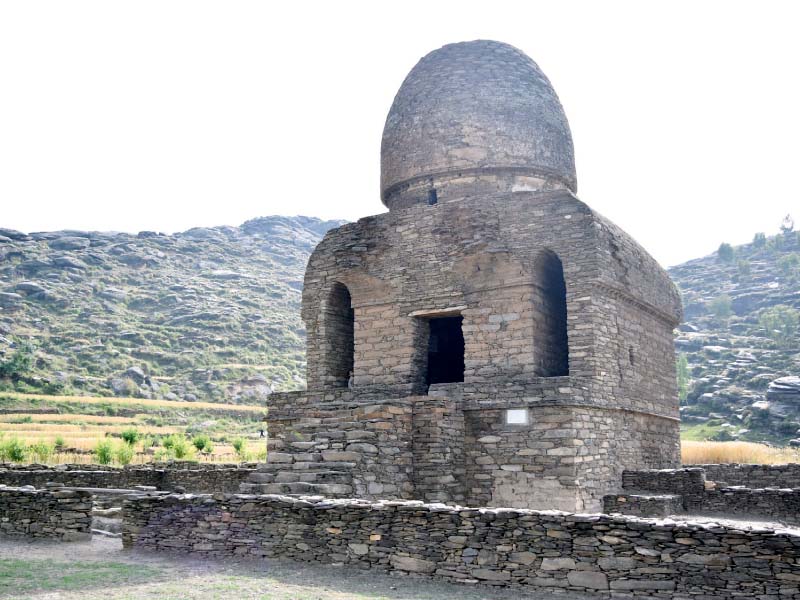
[
  {"x": 103, "y": 452},
  {"x": 781, "y": 324},
  {"x": 202, "y": 443},
  {"x": 19, "y": 363},
  {"x": 124, "y": 453},
  {"x": 13, "y": 449},
  {"x": 175, "y": 446},
  {"x": 42, "y": 451},
  {"x": 721, "y": 308},
  {"x": 726, "y": 253},
  {"x": 130, "y": 436},
  {"x": 240, "y": 447}
]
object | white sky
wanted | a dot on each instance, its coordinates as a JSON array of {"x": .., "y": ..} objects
[{"x": 168, "y": 115}]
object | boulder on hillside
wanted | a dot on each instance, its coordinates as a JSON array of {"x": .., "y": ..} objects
[
  {"x": 14, "y": 234},
  {"x": 785, "y": 389},
  {"x": 136, "y": 373},
  {"x": 29, "y": 287},
  {"x": 69, "y": 243}
]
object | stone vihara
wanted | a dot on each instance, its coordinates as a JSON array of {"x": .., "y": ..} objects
[{"x": 490, "y": 340}]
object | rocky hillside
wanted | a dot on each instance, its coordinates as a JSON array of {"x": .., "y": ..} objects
[
  {"x": 207, "y": 314},
  {"x": 740, "y": 344}
]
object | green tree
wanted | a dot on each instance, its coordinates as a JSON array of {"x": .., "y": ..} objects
[
  {"x": 780, "y": 323},
  {"x": 789, "y": 266},
  {"x": 200, "y": 441},
  {"x": 103, "y": 452},
  {"x": 759, "y": 240},
  {"x": 13, "y": 449},
  {"x": 130, "y": 435},
  {"x": 683, "y": 377},
  {"x": 743, "y": 266},
  {"x": 721, "y": 309},
  {"x": 19, "y": 363},
  {"x": 726, "y": 253}
]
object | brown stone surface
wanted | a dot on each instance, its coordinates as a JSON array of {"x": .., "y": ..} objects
[{"x": 488, "y": 295}]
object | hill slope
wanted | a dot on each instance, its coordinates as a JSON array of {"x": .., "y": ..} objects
[
  {"x": 207, "y": 314},
  {"x": 734, "y": 351}
]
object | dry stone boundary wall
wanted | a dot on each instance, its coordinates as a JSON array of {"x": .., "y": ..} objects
[
  {"x": 61, "y": 514},
  {"x": 501, "y": 547},
  {"x": 699, "y": 489},
  {"x": 192, "y": 477}
]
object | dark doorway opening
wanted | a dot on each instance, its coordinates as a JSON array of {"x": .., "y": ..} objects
[
  {"x": 339, "y": 330},
  {"x": 445, "y": 350},
  {"x": 550, "y": 317}
]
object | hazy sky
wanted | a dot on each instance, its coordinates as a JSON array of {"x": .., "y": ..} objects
[{"x": 168, "y": 115}]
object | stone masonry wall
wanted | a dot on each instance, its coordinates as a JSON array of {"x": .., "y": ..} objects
[
  {"x": 194, "y": 477},
  {"x": 62, "y": 514},
  {"x": 372, "y": 440},
  {"x": 771, "y": 503},
  {"x": 438, "y": 448},
  {"x": 698, "y": 494},
  {"x": 501, "y": 547},
  {"x": 755, "y": 476}
]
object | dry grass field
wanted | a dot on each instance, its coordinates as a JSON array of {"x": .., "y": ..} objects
[
  {"x": 138, "y": 402},
  {"x": 698, "y": 453}
]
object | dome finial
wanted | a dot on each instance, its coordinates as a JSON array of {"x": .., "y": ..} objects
[{"x": 474, "y": 117}]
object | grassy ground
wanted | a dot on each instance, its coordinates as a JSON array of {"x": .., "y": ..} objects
[{"x": 100, "y": 569}]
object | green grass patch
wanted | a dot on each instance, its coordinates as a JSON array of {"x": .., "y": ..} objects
[
  {"x": 18, "y": 576},
  {"x": 699, "y": 432}
]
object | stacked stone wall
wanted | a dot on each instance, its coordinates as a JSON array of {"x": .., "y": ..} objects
[
  {"x": 376, "y": 439},
  {"x": 61, "y": 514},
  {"x": 761, "y": 504},
  {"x": 438, "y": 449},
  {"x": 698, "y": 493},
  {"x": 754, "y": 475},
  {"x": 500, "y": 547},
  {"x": 192, "y": 477}
]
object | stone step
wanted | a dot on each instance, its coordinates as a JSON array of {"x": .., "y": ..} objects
[
  {"x": 644, "y": 504},
  {"x": 331, "y": 490},
  {"x": 311, "y": 477},
  {"x": 306, "y": 466}
]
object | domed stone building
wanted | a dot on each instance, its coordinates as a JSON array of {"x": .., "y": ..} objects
[{"x": 490, "y": 340}]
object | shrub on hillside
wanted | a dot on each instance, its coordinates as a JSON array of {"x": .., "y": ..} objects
[
  {"x": 130, "y": 436},
  {"x": 200, "y": 442},
  {"x": 124, "y": 453},
  {"x": 721, "y": 309},
  {"x": 726, "y": 252},
  {"x": 759, "y": 240},
  {"x": 19, "y": 363},
  {"x": 780, "y": 323},
  {"x": 42, "y": 451},
  {"x": 104, "y": 452},
  {"x": 13, "y": 449}
]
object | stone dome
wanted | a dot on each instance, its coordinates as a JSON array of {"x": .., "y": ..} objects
[{"x": 474, "y": 117}]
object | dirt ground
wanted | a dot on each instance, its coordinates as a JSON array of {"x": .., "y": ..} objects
[{"x": 100, "y": 569}]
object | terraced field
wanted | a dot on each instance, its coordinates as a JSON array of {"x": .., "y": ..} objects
[{"x": 58, "y": 429}]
